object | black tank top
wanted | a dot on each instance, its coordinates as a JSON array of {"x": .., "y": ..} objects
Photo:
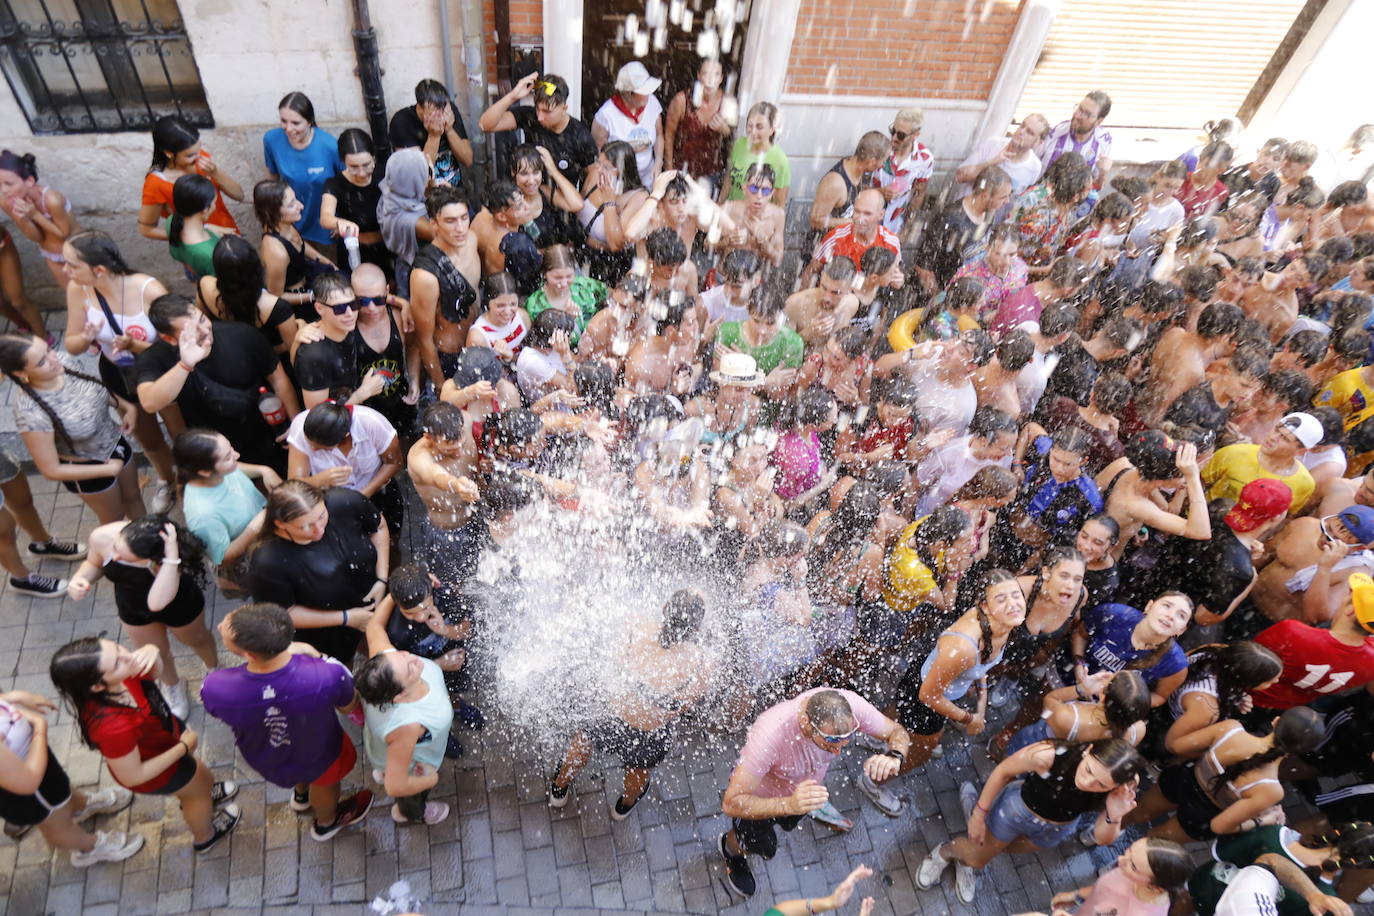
[
  {"x": 851, "y": 191},
  {"x": 1055, "y": 796},
  {"x": 132, "y": 584},
  {"x": 456, "y": 295},
  {"x": 296, "y": 266}
]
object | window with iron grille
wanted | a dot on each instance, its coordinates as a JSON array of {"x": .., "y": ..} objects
[{"x": 97, "y": 66}]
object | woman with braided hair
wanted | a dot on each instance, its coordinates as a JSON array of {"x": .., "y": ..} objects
[
  {"x": 1311, "y": 864},
  {"x": 1234, "y": 786},
  {"x": 64, "y": 418}
]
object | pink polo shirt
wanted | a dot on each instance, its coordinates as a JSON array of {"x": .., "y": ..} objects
[{"x": 778, "y": 752}]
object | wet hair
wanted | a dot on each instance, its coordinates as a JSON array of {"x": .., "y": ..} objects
[
  {"x": 328, "y": 423},
  {"x": 665, "y": 247},
  {"x": 1333, "y": 426},
  {"x": 14, "y": 349},
  {"x": 1106, "y": 521},
  {"x": 1217, "y": 152},
  {"x": 986, "y": 582},
  {"x": 1068, "y": 272},
  {"x": 442, "y": 420},
  {"x": 1249, "y": 363},
  {"x": 504, "y": 493},
  {"x": 513, "y": 428},
  {"x": 621, "y": 156},
  {"x": 496, "y": 285},
  {"x": 888, "y": 477},
  {"x": 1170, "y": 865},
  {"x": 1305, "y": 194},
  {"x": 899, "y": 392},
  {"x": 1171, "y": 169},
  {"x": 194, "y": 451},
  {"x": 376, "y": 682},
  {"x": 1134, "y": 187},
  {"x": 968, "y": 292},
  {"x": 809, "y": 408},
  {"x": 828, "y": 710},
  {"x": 840, "y": 268},
  {"x": 1125, "y": 702},
  {"x": 595, "y": 384},
  {"x": 1015, "y": 350},
  {"x": 431, "y": 92},
  {"x": 767, "y": 303},
  {"x": 99, "y": 250},
  {"x": 500, "y": 194},
  {"x": 239, "y": 279},
  {"x": 409, "y": 585},
  {"x": 1163, "y": 299},
  {"x": 355, "y": 140},
  {"x": 262, "y": 629},
  {"x": 1123, "y": 762},
  {"x": 1153, "y": 454},
  {"x": 780, "y": 539},
  {"x": 526, "y": 156},
  {"x": 872, "y": 145},
  {"x": 191, "y": 194},
  {"x": 769, "y": 111},
  {"x": 982, "y": 348},
  {"x": 849, "y": 526},
  {"x": 1218, "y": 320},
  {"x": 557, "y": 96},
  {"x": 1352, "y": 345},
  {"x": 682, "y": 617},
  {"x": 1353, "y": 844},
  {"x": 443, "y": 195},
  {"x": 1237, "y": 668},
  {"x": 1111, "y": 392},
  {"x": 850, "y": 340},
  {"x": 25, "y": 166},
  {"x": 75, "y": 672},
  {"x": 1351, "y": 310},
  {"x": 144, "y": 537},
  {"x": 1199, "y": 281},
  {"x": 988, "y": 422},
  {"x": 991, "y": 481},
  {"x": 761, "y": 171},
  {"x": 1058, "y": 318},
  {"x": 168, "y": 308},
  {"x": 943, "y": 526},
  {"x": 1308, "y": 345},
  {"x": 288, "y": 502},
  {"x": 300, "y": 103},
  {"x": 1339, "y": 250},
  {"x": 1068, "y": 177},
  {"x": 546, "y": 324},
  {"x": 1295, "y": 389},
  {"x": 268, "y": 197},
  {"x": 1298, "y": 731},
  {"x": 557, "y": 257},
  {"x": 1111, "y": 208},
  {"x": 1072, "y": 439},
  {"x": 741, "y": 264},
  {"x": 171, "y": 135},
  {"x": 989, "y": 179}
]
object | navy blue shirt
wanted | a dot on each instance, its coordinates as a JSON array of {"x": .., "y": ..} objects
[{"x": 1109, "y": 629}]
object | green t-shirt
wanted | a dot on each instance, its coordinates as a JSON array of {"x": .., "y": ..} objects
[
  {"x": 741, "y": 159},
  {"x": 587, "y": 294},
  {"x": 785, "y": 349},
  {"x": 198, "y": 256},
  {"x": 1233, "y": 852}
]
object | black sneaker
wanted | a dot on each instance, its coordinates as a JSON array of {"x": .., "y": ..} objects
[
  {"x": 738, "y": 876},
  {"x": 58, "y": 550},
  {"x": 221, "y": 792},
  {"x": 38, "y": 586},
  {"x": 351, "y": 810},
  {"x": 620, "y": 810},
  {"x": 300, "y": 801},
  {"x": 558, "y": 797},
  {"x": 225, "y": 820},
  {"x": 16, "y": 832}
]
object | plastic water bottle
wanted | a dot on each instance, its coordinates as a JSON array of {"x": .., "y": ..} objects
[
  {"x": 270, "y": 406},
  {"x": 354, "y": 257}
]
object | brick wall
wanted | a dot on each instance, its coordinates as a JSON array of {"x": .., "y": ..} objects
[
  {"x": 941, "y": 49},
  {"x": 526, "y": 26}
]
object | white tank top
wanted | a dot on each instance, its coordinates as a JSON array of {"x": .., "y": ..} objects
[{"x": 136, "y": 326}]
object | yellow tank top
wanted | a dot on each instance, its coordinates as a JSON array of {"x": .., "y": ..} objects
[{"x": 908, "y": 579}]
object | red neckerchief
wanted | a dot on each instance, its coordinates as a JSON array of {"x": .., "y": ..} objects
[{"x": 625, "y": 109}]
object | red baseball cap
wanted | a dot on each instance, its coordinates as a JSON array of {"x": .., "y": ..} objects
[{"x": 1260, "y": 501}]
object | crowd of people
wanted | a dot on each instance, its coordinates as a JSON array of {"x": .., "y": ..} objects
[{"x": 1090, "y": 446}]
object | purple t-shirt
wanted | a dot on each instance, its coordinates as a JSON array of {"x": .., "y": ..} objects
[
  {"x": 1022, "y": 305},
  {"x": 284, "y": 722}
]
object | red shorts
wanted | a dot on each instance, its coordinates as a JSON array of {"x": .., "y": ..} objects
[{"x": 341, "y": 767}]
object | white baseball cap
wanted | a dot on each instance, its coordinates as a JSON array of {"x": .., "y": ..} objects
[
  {"x": 1307, "y": 428},
  {"x": 634, "y": 77}
]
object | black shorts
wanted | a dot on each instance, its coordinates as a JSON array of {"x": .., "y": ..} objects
[
  {"x": 184, "y": 770},
  {"x": 1348, "y": 804},
  {"x": 53, "y": 792},
  {"x": 122, "y": 451},
  {"x": 914, "y": 715},
  {"x": 184, "y": 610},
  {"x": 1195, "y": 810},
  {"x": 637, "y": 749},
  {"x": 758, "y": 836}
]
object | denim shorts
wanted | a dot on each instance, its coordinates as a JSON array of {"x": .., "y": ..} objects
[
  {"x": 1010, "y": 818},
  {"x": 1025, "y": 737}
]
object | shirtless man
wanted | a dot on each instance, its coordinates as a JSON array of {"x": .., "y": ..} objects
[
  {"x": 503, "y": 212},
  {"x": 658, "y": 359},
  {"x": 1181, "y": 358},
  {"x": 1273, "y": 301},
  {"x": 817, "y": 312},
  {"x": 1134, "y": 486},
  {"x": 669, "y": 267},
  {"x": 673, "y": 205},
  {"x": 758, "y": 222},
  {"x": 443, "y": 467},
  {"x": 610, "y": 332},
  {"x": 1337, "y": 493},
  {"x": 443, "y": 284},
  {"x": 1308, "y": 563},
  {"x": 996, "y": 381}
]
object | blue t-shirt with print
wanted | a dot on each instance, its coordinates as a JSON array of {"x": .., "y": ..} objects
[
  {"x": 306, "y": 171},
  {"x": 1109, "y": 629}
]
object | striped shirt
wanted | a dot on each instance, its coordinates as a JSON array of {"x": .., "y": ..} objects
[
  {"x": 1061, "y": 140},
  {"x": 842, "y": 241}
]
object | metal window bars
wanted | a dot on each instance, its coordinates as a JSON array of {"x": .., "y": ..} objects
[{"x": 99, "y": 66}]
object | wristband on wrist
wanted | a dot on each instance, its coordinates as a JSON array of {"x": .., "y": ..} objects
[
  {"x": 171, "y": 561},
  {"x": 183, "y": 364},
  {"x": 345, "y": 617}
]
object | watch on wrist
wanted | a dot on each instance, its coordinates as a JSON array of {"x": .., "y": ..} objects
[{"x": 893, "y": 752}]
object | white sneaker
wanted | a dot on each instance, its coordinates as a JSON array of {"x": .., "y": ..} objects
[
  {"x": 161, "y": 498},
  {"x": 106, "y": 801},
  {"x": 968, "y": 798},
  {"x": 115, "y": 846},
  {"x": 965, "y": 882},
  {"x": 1367, "y": 896},
  {"x": 177, "y": 700},
  {"x": 937, "y": 752},
  {"x": 934, "y": 865}
]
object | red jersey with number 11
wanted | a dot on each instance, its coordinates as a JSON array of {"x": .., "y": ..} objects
[{"x": 1314, "y": 663}]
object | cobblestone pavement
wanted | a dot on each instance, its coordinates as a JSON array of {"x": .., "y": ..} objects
[{"x": 503, "y": 850}]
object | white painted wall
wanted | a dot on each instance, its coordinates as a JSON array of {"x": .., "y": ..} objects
[{"x": 250, "y": 53}]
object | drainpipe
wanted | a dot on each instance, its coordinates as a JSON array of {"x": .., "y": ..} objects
[
  {"x": 446, "y": 47},
  {"x": 475, "y": 63},
  {"x": 370, "y": 75}
]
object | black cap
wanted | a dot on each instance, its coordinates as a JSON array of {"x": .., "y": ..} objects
[{"x": 477, "y": 364}]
